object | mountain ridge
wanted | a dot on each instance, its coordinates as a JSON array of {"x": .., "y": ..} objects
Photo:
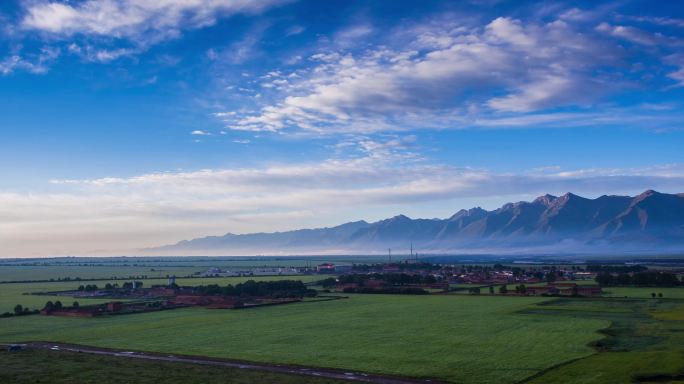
[{"x": 650, "y": 219}]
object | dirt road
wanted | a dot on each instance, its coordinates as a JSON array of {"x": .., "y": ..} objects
[{"x": 276, "y": 368}]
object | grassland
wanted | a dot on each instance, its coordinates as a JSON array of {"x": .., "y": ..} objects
[
  {"x": 55, "y": 272},
  {"x": 36, "y": 366},
  {"x": 628, "y": 337},
  {"x": 645, "y": 340},
  {"x": 644, "y": 293},
  {"x": 107, "y": 268},
  {"x": 13, "y": 294},
  {"x": 457, "y": 338}
]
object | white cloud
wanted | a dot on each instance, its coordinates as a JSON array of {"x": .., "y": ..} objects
[
  {"x": 92, "y": 53},
  {"x": 510, "y": 31},
  {"x": 678, "y": 75},
  {"x": 632, "y": 34},
  {"x": 436, "y": 77},
  {"x": 352, "y": 34},
  {"x": 294, "y": 30},
  {"x": 676, "y": 60},
  {"x": 106, "y": 55},
  {"x": 662, "y": 21},
  {"x": 133, "y": 18},
  {"x": 95, "y": 28},
  {"x": 37, "y": 63},
  {"x": 199, "y": 132},
  {"x": 549, "y": 90},
  {"x": 118, "y": 215}
]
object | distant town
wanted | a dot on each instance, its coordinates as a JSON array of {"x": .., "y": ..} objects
[{"x": 407, "y": 277}]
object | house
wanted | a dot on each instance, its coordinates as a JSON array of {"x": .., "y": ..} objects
[
  {"x": 160, "y": 292},
  {"x": 343, "y": 268},
  {"x": 342, "y": 287},
  {"x": 211, "y": 272},
  {"x": 584, "y": 275},
  {"x": 216, "y": 272},
  {"x": 542, "y": 290},
  {"x": 288, "y": 271},
  {"x": 326, "y": 268},
  {"x": 564, "y": 289},
  {"x": 592, "y": 290},
  {"x": 214, "y": 302},
  {"x": 372, "y": 283},
  {"x": 391, "y": 268}
]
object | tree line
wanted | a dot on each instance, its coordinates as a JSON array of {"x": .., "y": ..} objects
[
  {"x": 388, "y": 290},
  {"x": 644, "y": 279},
  {"x": 20, "y": 310},
  {"x": 616, "y": 268},
  {"x": 251, "y": 288},
  {"x": 109, "y": 286},
  {"x": 392, "y": 279}
]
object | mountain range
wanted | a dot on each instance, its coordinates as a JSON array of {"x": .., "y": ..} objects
[{"x": 651, "y": 221}]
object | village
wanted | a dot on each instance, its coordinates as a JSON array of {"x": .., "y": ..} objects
[
  {"x": 132, "y": 297},
  {"x": 414, "y": 277},
  {"x": 452, "y": 274},
  {"x": 406, "y": 277}
]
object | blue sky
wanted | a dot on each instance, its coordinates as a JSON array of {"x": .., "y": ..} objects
[{"x": 128, "y": 124}]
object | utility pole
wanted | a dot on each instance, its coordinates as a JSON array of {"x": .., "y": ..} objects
[{"x": 389, "y": 252}]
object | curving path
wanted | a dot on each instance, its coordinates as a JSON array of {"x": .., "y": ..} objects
[{"x": 276, "y": 368}]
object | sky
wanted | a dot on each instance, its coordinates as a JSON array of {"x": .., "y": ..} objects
[{"x": 127, "y": 124}]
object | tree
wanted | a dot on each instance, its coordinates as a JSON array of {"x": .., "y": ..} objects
[
  {"x": 503, "y": 289},
  {"x": 58, "y": 305},
  {"x": 329, "y": 282},
  {"x": 660, "y": 295},
  {"x": 491, "y": 290},
  {"x": 18, "y": 309},
  {"x": 75, "y": 304},
  {"x": 653, "y": 295},
  {"x": 49, "y": 306},
  {"x": 521, "y": 289},
  {"x": 550, "y": 277}
]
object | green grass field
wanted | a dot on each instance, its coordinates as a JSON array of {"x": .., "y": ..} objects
[
  {"x": 35, "y": 366},
  {"x": 106, "y": 268},
  {"x": 457, "y": 338},
  {"x": 644, "y": 293},
  {"x": 13, "y": 294},
  {"x": 645, "y": 338},
  {"x": 26, "y": 273}
]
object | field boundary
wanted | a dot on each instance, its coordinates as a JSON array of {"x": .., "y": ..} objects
[{"x": 551, "y": 368}]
